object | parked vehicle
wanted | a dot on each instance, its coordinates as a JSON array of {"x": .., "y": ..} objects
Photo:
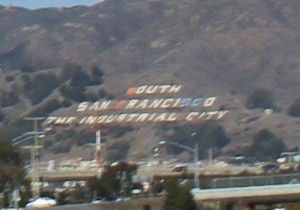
[
  {"x": 42, "y": 202},
  {"x": 104, "y": 199}
]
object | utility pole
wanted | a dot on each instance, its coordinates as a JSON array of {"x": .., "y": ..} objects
[
  {"x": 35, "y": 156},
  {"x": 196, "y": 162},
  {"x": 210, "y": 155},
  {"x": 98, "y": 148}
]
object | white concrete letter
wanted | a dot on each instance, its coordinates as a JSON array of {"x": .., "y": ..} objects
[
  {"x": 131, "y": 104},
  {"x": 121, "y": 117},
  {"x": 104, "y": 105},
  {"x": 172, "y": 117},
  {"x": 209, "y": 101},
  {"x": 142, "y": 117},
  {"x": 160, "y": 118},
  {"x": 164, "y": 88},
  {"x": 175, "y": 89},
  {"x": 211, "y": 114},
  {"x": 91, "y": 120},
  {"x": 143, "y": 104},
  {"x": 221, "y": 114},
  {"x": 185, "y": 102},
  {"x": 167, "y": 103},
  {"x": 191, "y": 116},
  {"x": 50, "y": 120},
  {"x": 197, "y": 102},
  {"x": 151, "y": 89},
  {"x": 82, "y": 106},
  {"x": 141, "y": 89},
  {"x": 131, "y": 116},
  {"x": 155, "y": 103}
]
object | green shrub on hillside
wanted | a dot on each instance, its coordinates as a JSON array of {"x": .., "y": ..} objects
[
  {"x": 119, "y": 131},
  {"x": 260, "y": 98},
  {"x": 117, "y": 151},
  {"x": 207, "y": 135},
  {"x": 102, "y": 93},
  {"x": 83, "y": 137},
  {"x": 266, "y": 146},
  {"x": 27, "y": 68},
  {"x": 69, "y": 70},
  {"x": 9, "y": 78},
  {"x": 9, "y": 98},
  {"x": 66, "y": 103},
  {"x": 76, "y": 93},
  {"x": 62, "y": 147},
  {"x": 40, "y": 87},
  {"x": 46, "y": 109},
  {"x": 80, "y": 78},
  {"x": 92, "y": 97},
  {"x": 96, "y": 75},
  {"x": 2, "y": 116},
  {"x": 294, "y": 108}
]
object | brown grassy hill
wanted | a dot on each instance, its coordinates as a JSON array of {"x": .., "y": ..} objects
[
  {"x": 236, "y": 45},
  {"x": 223, "y": 48}
]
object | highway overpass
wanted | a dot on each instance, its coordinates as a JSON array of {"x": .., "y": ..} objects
[{"x": 250, "y": 196}]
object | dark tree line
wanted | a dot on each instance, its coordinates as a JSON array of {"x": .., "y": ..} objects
[
  {"x": 116, "y": 180},
  {"x": 206, "y": 135},
  {"x": 260, "y": 98},
  {"x": 12, "y": 173},
  {"x": 265, "y": 146},
  {"x": 40, "y": 87},
  {"x": 178, "y": 197},
  {"x": 78, "y": 79}
]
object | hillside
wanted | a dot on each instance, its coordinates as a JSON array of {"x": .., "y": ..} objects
[{"x": 218, "y": 48}]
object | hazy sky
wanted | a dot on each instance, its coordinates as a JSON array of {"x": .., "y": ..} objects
[{"x": 34, "y": 4}]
